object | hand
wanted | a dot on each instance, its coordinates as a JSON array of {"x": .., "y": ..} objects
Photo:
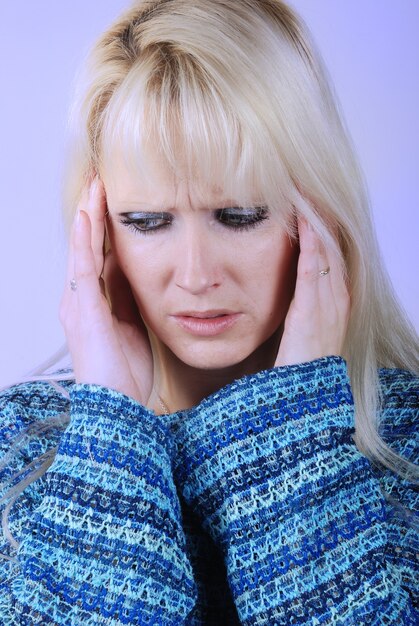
[
  {"x": 318, "y": 315},
  {"x": 108, "y": 348}
]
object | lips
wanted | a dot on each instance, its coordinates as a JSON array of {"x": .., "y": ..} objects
[
  {"x": 206, "y": 323},
  {"x": 204, "y": 314}
]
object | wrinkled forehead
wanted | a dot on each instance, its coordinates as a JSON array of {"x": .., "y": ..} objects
[
  {"x": 160, "y": 143},
  {"x": 145, "y": 160},
  {"x": 147, "y": 176}
]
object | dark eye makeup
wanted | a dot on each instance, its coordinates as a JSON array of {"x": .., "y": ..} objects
[
  {"x": 146, "y": 222},
  {"x": 241, "y": 218},
  {"x": 233, "y": 218}
]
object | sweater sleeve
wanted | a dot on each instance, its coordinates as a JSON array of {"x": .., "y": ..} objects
[
  {"x": 105, "y": 544},
  {"x": 399, "y": 429},
  {"x": 270, "y": 467}
]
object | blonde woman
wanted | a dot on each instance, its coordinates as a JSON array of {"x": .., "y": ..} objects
[{"x": 235, "y": 441}]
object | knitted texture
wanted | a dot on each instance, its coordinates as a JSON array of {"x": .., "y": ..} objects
[
  {"x": 106, "y": 543},
  {"x": 255, "y": 507}
]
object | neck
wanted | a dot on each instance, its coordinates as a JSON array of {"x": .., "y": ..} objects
[{"x": 180, "y": 386}]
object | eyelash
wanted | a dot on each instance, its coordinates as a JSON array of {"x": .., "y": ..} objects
[
  {"x": 253, "y": 216},
  {"x": 135, "y": 224}
]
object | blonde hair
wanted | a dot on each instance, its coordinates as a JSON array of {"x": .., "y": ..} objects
[
  {"x": 236, "y": 92},
  {"x": 239, "y": 90}
]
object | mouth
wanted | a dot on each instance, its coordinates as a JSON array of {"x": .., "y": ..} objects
[
  {"x": 206, "y": 323},
  {"x": 210, "y": 314}
]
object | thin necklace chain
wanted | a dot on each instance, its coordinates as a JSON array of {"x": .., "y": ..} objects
[{"x": 163, "y": 405}]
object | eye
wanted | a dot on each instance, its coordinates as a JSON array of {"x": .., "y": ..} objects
[
  {"x": 146, "y": 222},
  {"x": 242, "y": 218}
]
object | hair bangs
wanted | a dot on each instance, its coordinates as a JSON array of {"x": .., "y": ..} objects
[{"x": 168, "y": 109}]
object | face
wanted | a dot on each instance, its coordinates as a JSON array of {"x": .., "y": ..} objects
[{"x": 213, "y": 281}]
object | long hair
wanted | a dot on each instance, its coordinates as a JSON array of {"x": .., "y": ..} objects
[{"x": 236, "y": 92}]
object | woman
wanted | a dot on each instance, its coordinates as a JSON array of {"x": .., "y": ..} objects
[{"x": 236, "y": 443}]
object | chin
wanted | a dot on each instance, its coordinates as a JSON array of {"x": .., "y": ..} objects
[
  {"x": 224, "y": 356},
  {"x": 210, "y": 362},
  {"x": 244, "y": 353}
]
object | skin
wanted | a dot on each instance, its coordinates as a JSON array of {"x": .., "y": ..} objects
[{"x": 287, "y": 312}]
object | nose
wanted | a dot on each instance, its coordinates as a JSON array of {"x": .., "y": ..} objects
[{"x": 197, "y": 264}]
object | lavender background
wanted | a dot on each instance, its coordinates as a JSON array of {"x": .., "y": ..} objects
[{"x": 372, "y": 51}]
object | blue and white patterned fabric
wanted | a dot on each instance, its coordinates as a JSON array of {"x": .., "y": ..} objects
[{"x": 254, "y": 507}]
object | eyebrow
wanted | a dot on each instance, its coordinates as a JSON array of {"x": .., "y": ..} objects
[
  {"x": 140, "y": 209},
  {"x": 153, "y": 212},
  {"x": 136, "y": 210},
  {"x": 144, "y": 212}
]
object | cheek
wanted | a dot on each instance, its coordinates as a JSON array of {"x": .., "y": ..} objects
[{"x": 143, "y": 274}]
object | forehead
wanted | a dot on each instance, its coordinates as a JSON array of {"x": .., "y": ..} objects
[{"x": 149, "y": 179}]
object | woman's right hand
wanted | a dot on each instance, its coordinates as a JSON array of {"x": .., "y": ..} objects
[{"x": 108, "y": 348}]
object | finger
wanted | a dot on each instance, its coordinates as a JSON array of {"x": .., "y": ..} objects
[
  {"x": 337, "y": 282},
  {"x": 306, "y": 288},
  {"x": 84, "y": 199},
  {"x": 96, "y": 209},
  {"x": 124, "y": 306},
  {"x": 339, "y": 278},
  {"x": 89, "y": 296},
  {"x": 68, "y": 299},
  {"x": 70, "y": 260},
  {"x": 325, "y": 270},
  {"x": 323, "y": 265}
]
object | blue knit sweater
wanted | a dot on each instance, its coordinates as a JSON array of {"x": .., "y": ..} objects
[{"x": 254, "y": 507}]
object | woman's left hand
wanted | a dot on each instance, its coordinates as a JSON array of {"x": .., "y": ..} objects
[{"x": 317, "y": 319}]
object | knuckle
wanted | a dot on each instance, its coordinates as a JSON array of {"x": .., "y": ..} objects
[
  {"x": 86, "y": 272},
  {"x": 307, "y": 271}
]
